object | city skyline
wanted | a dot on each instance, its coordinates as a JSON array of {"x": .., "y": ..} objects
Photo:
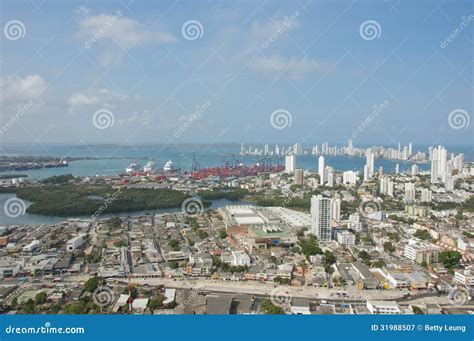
[{"x": 279, "y": 72}]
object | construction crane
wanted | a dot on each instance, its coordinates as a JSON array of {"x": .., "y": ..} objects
[{"x": 195, "y": 164}]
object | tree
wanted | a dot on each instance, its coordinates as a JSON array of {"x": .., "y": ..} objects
[
  {"x": 417, "y": 310},
  {"x": 378, "y": 263},
  {"x": 29, "y": 307},
  {"x": 270, "y": 309},
  {"x": 153, "y": 304},
  {"x": 133, "y": 292},
  {"x": 329, "y": 269},
  {"x": 172, "y": 305},
  {"x": 75, "y": 308},
  {"x": 422, "y": 234},
  {"x": 40, "y": 298},
  {"x": 173, "y": 243},
  {"x": 222, "y": 234},
  {"x": 450, "y": 259},
  {"x": 310, "y": 247},
  {"x": 387, "y": 246},
  {"x": 330, "y": 258},
  {"x": 364, "y": 256},
  {"x": 120, "y": 243},
  {"x": 91, "y": 284}
]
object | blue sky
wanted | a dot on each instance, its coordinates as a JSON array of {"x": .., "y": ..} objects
[{"x": 223, "y": 86}]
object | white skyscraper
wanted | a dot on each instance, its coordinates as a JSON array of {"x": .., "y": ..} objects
[
  {"x": 299, "y": 176},
  {"x": 425, "y": 195},
  {"x": 409, "y": 192},
  {"x": 321, "y": 213},
  {"x": 397, "y": 168},
  {"x": 321, "y": 170},
  {"x": 366, "y": 173},
  {"x": 414, "y": 170},
  {"x": 349, "y": 177},
  {"x": 434, "y": 171},
  {"x": 386, "y": 186},
  {"x": 370, "y": 162},
  {"x": 329, "y": 176},
  {"x": 290, "y": 164},
  {"x": 336, "y": 209},
  {"x": 442, "y": 161}
]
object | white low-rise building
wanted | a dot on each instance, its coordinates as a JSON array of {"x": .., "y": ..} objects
[
  {"x": 464, "y": 277},
  {"x": 346, "y": 238},
  {"x": 383, "y": 307},
  {"x": 32, "y": 246},
  {"x": 240, "y": 258},
  {"x": 75, "y": 243}
]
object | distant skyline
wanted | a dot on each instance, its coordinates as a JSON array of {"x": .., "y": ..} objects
[{"x": 174, "y": 72}]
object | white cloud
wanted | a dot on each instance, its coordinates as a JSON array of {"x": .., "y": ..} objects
[
  {"x": 144, "y": 118},
  {"x": 124, "y": 31},
  {"x": 14, "y": 88},
  {"x": 293, "y": 67},
  {"x": 103, "y": 97},
  {"x": 271, "y": 27}
]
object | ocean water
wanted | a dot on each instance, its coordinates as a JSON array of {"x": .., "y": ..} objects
[
  {"x": 182, "y": 156},
  {"x": 35, "y": 219}
]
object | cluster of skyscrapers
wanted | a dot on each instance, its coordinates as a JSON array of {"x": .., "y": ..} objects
[{"x": 442, "y": 168}]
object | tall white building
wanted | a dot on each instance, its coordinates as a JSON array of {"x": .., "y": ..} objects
[
  {"x": 290, "y": 164},
  {"x": 425, "y": 195},
  {"x": 329, "y": 171},
  {"x": 366, "y": 173},
  {"x": 298, "y": 176},
  {"x": 321, "y": 170},
  {"x": 434, "y": 171},
  {"x": 336, "y": 209},
  {"x": 409, "y": 192},
  {"x": 370, "y": 162},
  {"x": 414, "y": 170},
  {"x": 386, "y": 186},
  {"x": 349, "y": 177},
  {"x": 321, "y": 213}
]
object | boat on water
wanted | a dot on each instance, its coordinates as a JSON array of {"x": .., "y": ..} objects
[
  {"x": 149, "y": 167},
  {"x": 169, "y": 166},
  {"x": 133, "y": 167}
]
